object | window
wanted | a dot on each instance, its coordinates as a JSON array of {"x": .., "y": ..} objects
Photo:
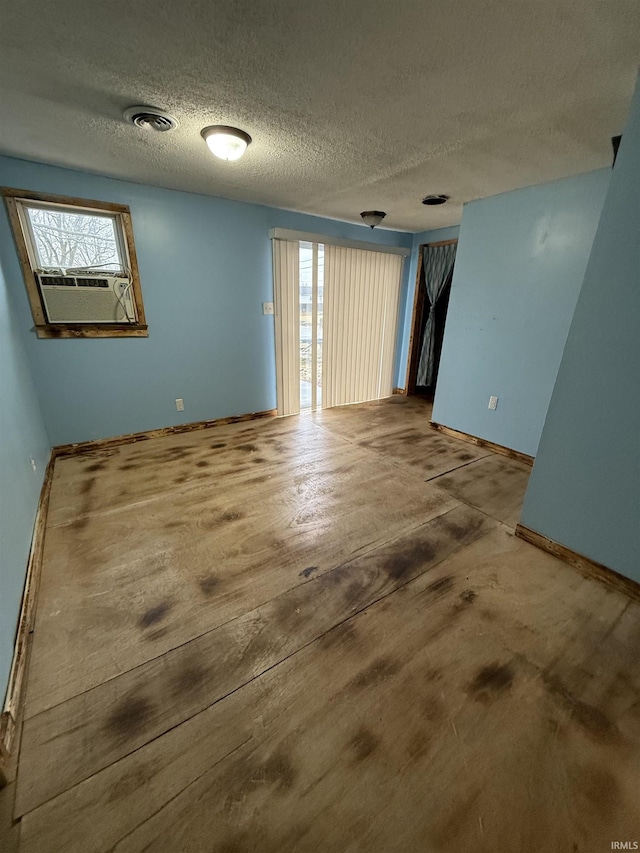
[{"x": 79, "y": 265}]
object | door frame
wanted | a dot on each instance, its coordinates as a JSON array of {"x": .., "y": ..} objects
[{"x": 413, "y": 357}]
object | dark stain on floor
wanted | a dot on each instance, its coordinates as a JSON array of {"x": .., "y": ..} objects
[
  {"x": 461, "y": 531},
  {"x": 591, "y": 719},
  {"x": 433, "y": 708},
  {"x": 157, "y": 634},
  {"x": 491, "y": 680},
  {"x": 443, "y": 584},
  {"x": 87, "y": 485},
  {"x": 469, "y": 595},
  {"x": 155, "y": 614},
  {"x": 208, "y": 584},
  {"x": 129, "y": 717},
  {"x": 231, "y": 515},
  {"x": 278, "y": 770},
  {"x": 601, "y": 790},
  {"x": 306, "y": 573},
  {"x": 364, "y": 743},
  {"x": 188, "y": 679},
  {"x": 408, "y": 558}
]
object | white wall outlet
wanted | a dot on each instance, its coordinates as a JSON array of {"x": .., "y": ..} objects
[
  {"x": 267, "y": 307},
  {"x": 493, "y": 403},
  {"x": 33, "y": 464},
  {"x": 180, "y": 404}
]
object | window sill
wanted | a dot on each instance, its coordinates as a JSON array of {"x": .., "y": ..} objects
[{"x": 89, "y": 330}]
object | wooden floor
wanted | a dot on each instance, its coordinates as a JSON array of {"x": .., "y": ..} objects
[{"x": 319, "y": 633}]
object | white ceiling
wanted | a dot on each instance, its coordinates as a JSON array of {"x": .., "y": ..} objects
[{"x": 352, "y": 104}]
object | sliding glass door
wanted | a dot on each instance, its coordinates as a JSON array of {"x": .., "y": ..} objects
[{"x": 336, "y": 320}]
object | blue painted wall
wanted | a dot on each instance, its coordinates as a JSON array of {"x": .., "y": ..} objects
[
  {"x": 22, "y": 438},
  {"x": 205, "y": 268},
  {"x": 519, "y": 267},
  {"x": 584, "y": 491},
  {"x": 407, "y": 297}
]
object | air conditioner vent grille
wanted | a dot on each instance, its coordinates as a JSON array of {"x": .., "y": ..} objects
[
  {"x": 58, "y": 280},
  {"x": 92, "y": 282}
]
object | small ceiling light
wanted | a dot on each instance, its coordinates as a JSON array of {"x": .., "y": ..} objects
[
  {"x": 373, "y": 217},
  {"x": 432, "y": 200},
  {"x": 150, "y": 117},
  {"x": 227, "y": 143}
]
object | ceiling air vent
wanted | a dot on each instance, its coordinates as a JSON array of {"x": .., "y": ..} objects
[
  {"x": 432, "y": 200},
  {"x": 150, "y": 117}
]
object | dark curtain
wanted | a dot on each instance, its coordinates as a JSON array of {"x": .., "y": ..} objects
[{"x": 438, "y": 268}]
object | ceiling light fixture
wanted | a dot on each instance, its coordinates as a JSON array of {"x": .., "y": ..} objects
[
  {"x": 432, "y": 200},
  {"x": 372, "y": 217},
  {"x": 151, "y": 117},
  {"x": 227, "y": 143}
]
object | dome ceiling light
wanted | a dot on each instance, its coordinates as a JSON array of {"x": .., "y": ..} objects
[
  {"x": 151, "y": 118},
  {"x": 433, "y": 200},
  {"x": 372, "y": 217},
  {"x": 227, "y": 143}
]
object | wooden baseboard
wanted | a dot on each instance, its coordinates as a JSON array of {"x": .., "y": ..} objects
[
  {"x": 584, "y": 565},
  {"x": 13, "y": 699},
  {"x": 106, "y": 443},
  {"x": 399, "y": 391},
  {"x": 483, "y": 442}
]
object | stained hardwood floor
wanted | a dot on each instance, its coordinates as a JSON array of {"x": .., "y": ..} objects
[{"x": 319, "y": 634}]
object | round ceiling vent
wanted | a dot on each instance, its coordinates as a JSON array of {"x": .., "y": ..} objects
[
  {"x": 150, "y": 117},
  {"x": 435, "y": 199}
]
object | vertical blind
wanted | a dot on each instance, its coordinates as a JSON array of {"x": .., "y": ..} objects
[
  {"x": 361, "y": 294},
  {"x": 361, "y": 297},
  {"x": 286, "y": 277}
]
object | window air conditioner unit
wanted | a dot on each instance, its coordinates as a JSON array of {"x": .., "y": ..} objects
[{"x": 89, "y": 298}]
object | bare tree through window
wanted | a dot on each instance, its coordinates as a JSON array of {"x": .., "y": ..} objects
[{"x": 66, "y": 240}]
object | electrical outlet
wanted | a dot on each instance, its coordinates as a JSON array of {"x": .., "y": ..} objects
[
  {"x": 180, "y": 404},
  {"x": 33, "y": 464},
  {"x": 493, "y": 403},
  {"x": 267, "y": 307}
]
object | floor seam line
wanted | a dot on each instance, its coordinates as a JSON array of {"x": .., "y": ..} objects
[
  {"x": 176, "y": 795},
  {"x": 458, "y": 467}
]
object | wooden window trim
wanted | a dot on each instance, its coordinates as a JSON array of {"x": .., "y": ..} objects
[{"x": 43, "y": 328}]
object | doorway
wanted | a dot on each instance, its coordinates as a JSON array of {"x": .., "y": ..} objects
[
  {"x": 336, "y": 313},
  {"x": 421, "y": 307}
]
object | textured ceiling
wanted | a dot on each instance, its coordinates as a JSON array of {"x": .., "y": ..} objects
[{"x": 352, "y": 104}]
